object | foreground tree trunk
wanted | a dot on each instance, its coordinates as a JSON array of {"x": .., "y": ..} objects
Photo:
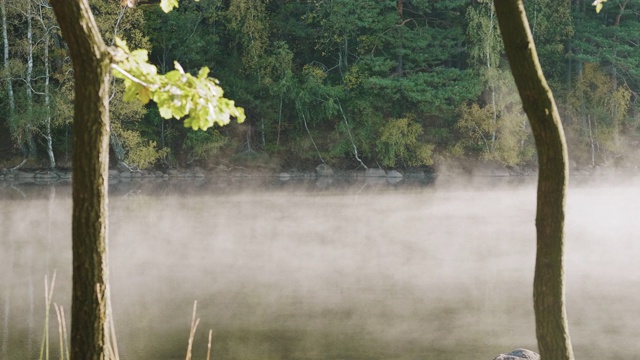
[
  {"x": 548, "y": 287},
  {"x": 91, "y": 61}
]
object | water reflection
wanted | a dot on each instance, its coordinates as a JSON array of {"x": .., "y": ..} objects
[{"x": 294, "y": 270}]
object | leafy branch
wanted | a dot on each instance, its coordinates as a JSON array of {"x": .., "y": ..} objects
[{"x": 198, "y": 99}]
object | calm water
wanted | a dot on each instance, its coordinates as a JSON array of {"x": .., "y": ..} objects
[{"x": 296, "y": 271}]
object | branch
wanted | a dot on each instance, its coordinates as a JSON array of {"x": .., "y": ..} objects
[{"x": 130, "y": 77}]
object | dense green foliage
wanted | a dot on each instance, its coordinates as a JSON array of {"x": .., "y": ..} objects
[{"x": 395, "y": 83}]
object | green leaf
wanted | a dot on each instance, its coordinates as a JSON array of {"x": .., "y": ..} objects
[
  {"x": 203, "y": 73},
  {"x": 168, "y": 5},
  {"x": 598, "y": 4},
  {"x": 130, "y": 90},
  {"x": 122, "y": 45}
]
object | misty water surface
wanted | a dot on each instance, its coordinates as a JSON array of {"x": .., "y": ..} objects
[{"x": 288, "y": 271}]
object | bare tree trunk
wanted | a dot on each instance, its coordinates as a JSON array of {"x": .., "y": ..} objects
[
  {"x": 47, "y": 93},
  {"x": 29, "y": 130},
  {"x": 5, "y": 41},
  {"x": 91, "y": 62},
  {"x": 592, "y": 141},
  {"x": 117, "y": 147},
  {"x": 494, "y": 106},
  {"x": 548, "y": 289},
  {"x": 116, "y": 144}
]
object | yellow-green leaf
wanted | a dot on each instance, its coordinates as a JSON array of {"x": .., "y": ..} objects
[
  {"x": 168, "y": 5},
  {"x": 598, "y": 4},
  {"x": 143, "y": 96}
]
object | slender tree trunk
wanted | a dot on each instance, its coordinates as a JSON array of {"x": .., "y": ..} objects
[
  {"x": 91, "y": 61},
  {"x": 494, "y": 106},
  {"x": 29, "y": 131},
  {"x": 592, "y": 142},
  {"x": 5, "y": 42},
  {"x": 400, "y": 24},
  {"x": 116, "y": 144},
  {"x": 548, "y": 288},
  {"x": 47, "y": 93},
  {"x": 117, "y": 147}
]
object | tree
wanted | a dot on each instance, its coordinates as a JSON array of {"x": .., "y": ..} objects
[
  {"x": 91, "y": 65},
  {"x": 539, "y": 105},
  {"x": 177, "y": 94}
]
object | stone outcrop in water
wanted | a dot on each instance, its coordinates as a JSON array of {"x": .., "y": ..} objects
[
  {"x": 519, "y": 354},
  {"x": 324, "y": 170}
]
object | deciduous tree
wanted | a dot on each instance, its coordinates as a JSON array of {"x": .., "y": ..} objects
[
  {"x": 178, "y": 94},
  {"x": 537, "y": 100}
]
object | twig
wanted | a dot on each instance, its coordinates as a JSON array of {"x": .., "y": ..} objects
[
  {"x": 355, "y": 149},
  {"x": 304, "y": 119},
  {"x": 131, "y": 77}
]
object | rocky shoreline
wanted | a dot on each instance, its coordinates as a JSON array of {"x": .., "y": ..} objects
[
  {"x": 46, "y": 177},
  {"x": 322, "y": 171}
]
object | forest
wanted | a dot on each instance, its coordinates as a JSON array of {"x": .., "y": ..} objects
[{"x": 396, "y": 84}]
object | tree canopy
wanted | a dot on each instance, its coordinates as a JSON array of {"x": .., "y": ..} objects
[{"x": 331, "y": 81}]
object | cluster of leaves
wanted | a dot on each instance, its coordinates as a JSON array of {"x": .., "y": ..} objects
[{"x": 178, "y": 94}]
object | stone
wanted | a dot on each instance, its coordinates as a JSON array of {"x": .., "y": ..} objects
[
  {"x": 25, "y": 175},
  {"x": 65, "y": 175},
  {"x": 375, "y": 172},
  {"x": 394, "y": 174},
  {"x": 113, "y": 173},
  {"x": 47, "y": 176},
  {"x": 324, "y": 170},
  {"x": 283, "y": 176},
  {"x": 519, "y": 354},
  {"x": 173, "y": 172}
]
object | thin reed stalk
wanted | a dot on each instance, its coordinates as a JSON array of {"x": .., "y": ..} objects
[
  {"x": 209, "y": 345},
  {"x": 48, "y": 295},
  {"x": 113, "y": 343},
  {"x": 62, "y": 331},
  {"x": 192, "y": 333}
]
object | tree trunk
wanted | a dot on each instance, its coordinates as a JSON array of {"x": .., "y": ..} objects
[
  {"x": 5, "y": 42},
  {"x": 6, "y": 146},
  {"x": 548, "y": 288},
  {"x": 29, "y": 129},
  {"x": 91, "y": 61},
  {"x": 47, "y": 94}
]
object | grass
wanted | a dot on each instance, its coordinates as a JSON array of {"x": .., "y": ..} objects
[
  {"x": 192, "y": 333},
  {"x": 112, "y": 343},
  {"x": 62, "y": 327}
]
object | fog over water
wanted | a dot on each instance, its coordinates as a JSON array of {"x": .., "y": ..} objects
[{"x": 295, "y": 271}]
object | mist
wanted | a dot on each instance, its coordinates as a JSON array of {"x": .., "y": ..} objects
[{"x": 290, "y": 271}]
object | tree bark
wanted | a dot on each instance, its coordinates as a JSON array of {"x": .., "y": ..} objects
[
  {"x": 538, "y": 103},
  {"x": 91, "y": 63}
]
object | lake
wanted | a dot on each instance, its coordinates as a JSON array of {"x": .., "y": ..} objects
[{"x": 299, "y": 270}]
